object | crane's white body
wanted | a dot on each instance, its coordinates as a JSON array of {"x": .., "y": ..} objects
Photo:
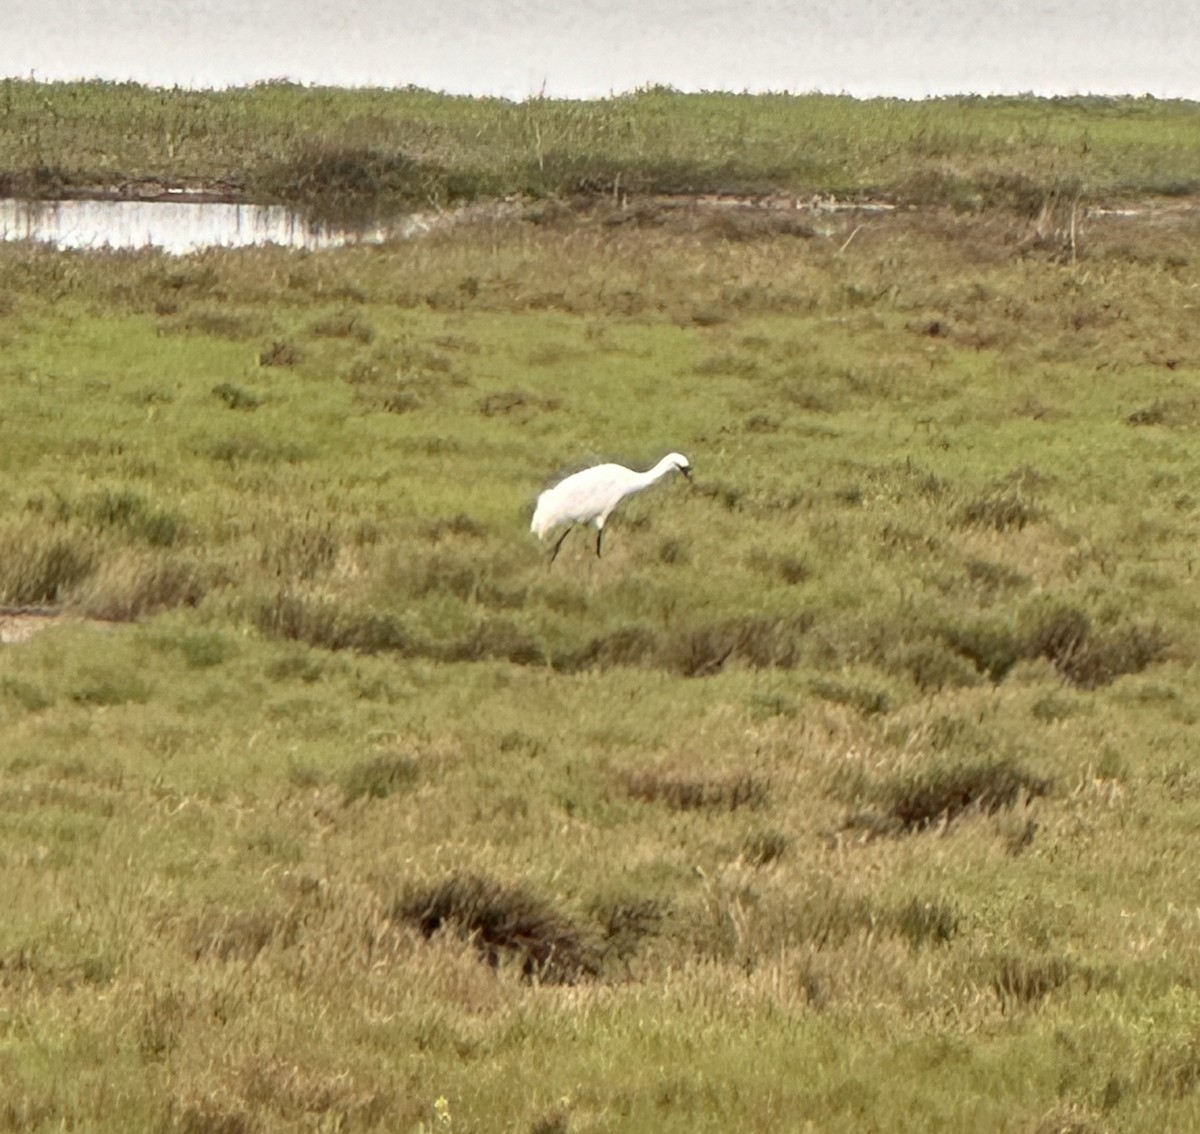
[{"x": 589, "y": 497}]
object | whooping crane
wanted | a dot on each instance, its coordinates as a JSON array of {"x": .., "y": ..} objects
[{"x": 589, "y": 497}]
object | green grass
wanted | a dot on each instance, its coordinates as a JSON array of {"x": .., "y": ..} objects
[
  {"x": 388, "y": 150},
  {"x": 852, "y": 787}
]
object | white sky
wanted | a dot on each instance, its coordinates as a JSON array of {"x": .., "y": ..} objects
[{"x": 585, "y": 49}]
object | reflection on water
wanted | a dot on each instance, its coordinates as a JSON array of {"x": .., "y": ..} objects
[{"x": 176, "y": 227}]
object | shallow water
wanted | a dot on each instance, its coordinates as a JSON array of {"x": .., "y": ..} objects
[{"x": 177, "y": 227}]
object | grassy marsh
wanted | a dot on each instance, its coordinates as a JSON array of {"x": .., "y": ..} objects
[
  {"x": 853, "y": 787},
  {"x": 389, "y": 150}
]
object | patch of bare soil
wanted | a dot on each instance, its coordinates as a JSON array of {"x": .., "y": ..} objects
[
  {"x": 1060, "y": 227},
  {"x": 19, "y": 624}
]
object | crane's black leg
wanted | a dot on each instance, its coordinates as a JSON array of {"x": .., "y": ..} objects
[
  {"x": 599, "y": 536},
  {"x": 554, "y": 553}
]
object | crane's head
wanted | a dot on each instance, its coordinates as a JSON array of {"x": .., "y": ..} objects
[{"x": 680, "y": 462}]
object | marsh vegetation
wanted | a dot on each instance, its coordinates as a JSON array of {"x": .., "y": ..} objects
[
  {"x": 855, "y": 785},
  {"x": 384, "y": 151}
]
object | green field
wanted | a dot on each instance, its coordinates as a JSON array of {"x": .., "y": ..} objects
[
  {"x": 854, "y": 788},
  {"x": 384, "y": 150}
]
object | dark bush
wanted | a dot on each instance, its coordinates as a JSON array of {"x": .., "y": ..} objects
[
  {"x": 329, "y": 626},
  {"x": 790, "y": 569},
  {"x": 630, "y": 645},
  {"x": 339, "y": 177},
  {"x": 991, "y": 647},
  {"x": 1174, "y": 413},
  {"x": 993, "y": 577},
  {"x": 764, "y": 643},
  {"x": 764, "y": 847},
  {"x": 394, "y": 399},
  {"x": 235, "y": 397},
  {"x": 945, "y": 791},
  {"x": 379, "y": 776},
  {"x": 27, "y": 694},
  {"x": 344, "y": 325},
  {"x": 727, "y": 495},
  {"x": 683, "y": 794},
  {"x": 279, "y": 354},
  {"x": 554, "y": 1121},
  {"x": 932, "y": 664},
  {"x": 503, "y": 922},
  {"x": 1057, "y": 632},
  {"x": 236, "y": 450},
  {"x": 864, "y": 700},
  {"x": 927, "y": 923},
  {"x": 673, "y": 552},
  {"x": 1066, "y": 637},
  {"x": 111, "y": 688},
  {"x": 495, "y": 639},
  {"x": 509, "y": 401},
  {"x": 624, "y": 924},
  {"x": 299, "y": 666},
  {"x": 458, "y": 525},
  {"x": 33, "y": 571},
  {"x": 1028, "y": 980},
  {"x": 1003, "y": 511},
  {"x": 1126, "y": 649}
]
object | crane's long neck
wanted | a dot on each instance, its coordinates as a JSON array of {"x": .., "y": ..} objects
[{"x": 666, "y": 465}]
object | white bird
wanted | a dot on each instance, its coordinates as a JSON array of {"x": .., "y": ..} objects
[{"x": 589, "y": 497}]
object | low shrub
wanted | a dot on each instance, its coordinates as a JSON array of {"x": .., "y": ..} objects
[
  {"x": 238, "y": 935},
  {"x": 927, "y": 923},
  {"x": 1025, "y": 981},
  {"x": 131, "y": 585},
  {"x": 763, "y": 643},
  {"x": 503, "y": 922},
  {"x": 379, "y": 776},
  {"x": 761, "y": 848},
  {"x": 946, "y": 790},
  {"x": 331, "y": 626},
  {"x": 681, "y": 793},
  {"x": 37, "y": 568},
  {"x": 235, "y": 397},
  {"x": 1002, "y": 511},
  {"x": 346, "y": 181},
  {"x": 1086, "y": 657}
]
